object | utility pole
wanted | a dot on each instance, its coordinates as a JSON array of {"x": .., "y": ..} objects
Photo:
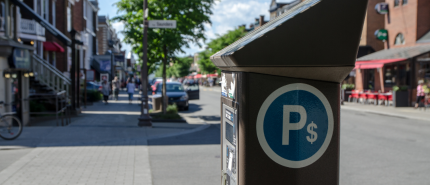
[{"x": 145, "y": 119}]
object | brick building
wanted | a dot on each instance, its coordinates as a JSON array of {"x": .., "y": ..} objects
[
  {"x": 405, "y": 57},
  {"x": 108, "y": 38}
]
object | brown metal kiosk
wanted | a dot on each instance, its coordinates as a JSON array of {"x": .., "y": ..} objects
[{"x": 280, "y": 101}]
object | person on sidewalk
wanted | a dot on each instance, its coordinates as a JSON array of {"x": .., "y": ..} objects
[
  {"x": 115, "y": 86},
  {"x": 131, "y": 86},
  {"x": 105, "y": 91},
  {"x": 420, "y": 93}
]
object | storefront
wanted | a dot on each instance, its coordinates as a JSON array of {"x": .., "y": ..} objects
[
  {"x": 394, "y": 70},
  {"x": 14, "y": 82}
]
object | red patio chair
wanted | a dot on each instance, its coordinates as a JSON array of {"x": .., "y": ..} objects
[
  {"x": 382, "y": 99},
  {"x": 389, "y": 100},
  {"x": 362, "y": 98},
  {"x": 354, "y": 96},
  {"x": 371, "y": 97}
]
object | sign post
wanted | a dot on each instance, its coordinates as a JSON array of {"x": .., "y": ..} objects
[
  {"x": 280, "y": 98},
  {"x": 145, "y": 118}
]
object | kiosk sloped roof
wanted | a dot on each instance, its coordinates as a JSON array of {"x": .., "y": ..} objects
[{"x": 313, "y": 33}]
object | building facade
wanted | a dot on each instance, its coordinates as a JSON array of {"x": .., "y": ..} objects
[{"x": 403, "y": 59}]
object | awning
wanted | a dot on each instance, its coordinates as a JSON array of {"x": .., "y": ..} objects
[
  {"x": 212, "y": 75},
  {"x": 373, "y": 64},
  {"x": 52, "y": 46},
  {"x": 198, "y": 76},
  {"x": 43, "y": 22}
]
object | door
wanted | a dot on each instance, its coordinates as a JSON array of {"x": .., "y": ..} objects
[
  {"x": 193, "y": 91},
  {"x": 16, "y": 94}
]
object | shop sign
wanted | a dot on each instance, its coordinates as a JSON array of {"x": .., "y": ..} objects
[
  {"x": 119, "y": 58},
  {"x": 381, "y": 34},
  {"x": 90, "y": 75},
  {"x": 105, "y": 65},
  {"x": 382, "y": 8},
  {"x": 104, "y": 77},
  {"x": 20, "y": 59}
]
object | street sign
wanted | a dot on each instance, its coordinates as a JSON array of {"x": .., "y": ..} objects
[
  {"x": 162, "y": 24},
  {"x": 381, "y": 34},
  {"x": 295, "y": 125},
  {"x": 382, "y": 8}
]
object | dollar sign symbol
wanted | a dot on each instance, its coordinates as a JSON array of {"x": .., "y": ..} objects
[{"x": 311, "y": 131}]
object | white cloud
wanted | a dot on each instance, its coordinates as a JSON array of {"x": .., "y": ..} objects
[{"x": 229, "y": 14}]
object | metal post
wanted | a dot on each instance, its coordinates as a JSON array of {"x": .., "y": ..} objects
[{"x": 145, "y": 119}]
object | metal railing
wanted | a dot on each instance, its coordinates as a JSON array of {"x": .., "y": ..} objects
[
  {"x": 32, "y": 27},
  {"x": 61, "y": 106},
  {"x": 50, "y": 76}
]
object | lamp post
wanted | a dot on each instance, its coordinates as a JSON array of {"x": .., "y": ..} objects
[{"x": 144, "y": 119}]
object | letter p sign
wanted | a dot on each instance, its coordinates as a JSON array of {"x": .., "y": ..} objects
[{"x": 287, "y": 126}]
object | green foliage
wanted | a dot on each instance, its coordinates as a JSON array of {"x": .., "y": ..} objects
[
  {"x": 94, "y": 96},
  {"x": 37, "y": 106},
  {"x": 348, "y": 86},
  {"x": 401, "y": 88},
  {"x": 172, "y": 109},
  {"x": 216, "y": 45},
  {"x": 180, "y": 67},
  {"x": 164, "y": 43}
]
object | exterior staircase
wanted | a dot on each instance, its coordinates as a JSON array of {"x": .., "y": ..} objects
[{"x": 48, "y": 79}]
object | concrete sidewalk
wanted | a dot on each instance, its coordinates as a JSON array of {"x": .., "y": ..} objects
[
  {"x": 103, "y": 145},
  {"x": 403, "y": 112}
]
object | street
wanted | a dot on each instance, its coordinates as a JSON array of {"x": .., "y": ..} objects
[{"x": 105, "y": 146}]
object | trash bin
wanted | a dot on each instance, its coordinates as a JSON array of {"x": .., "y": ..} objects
[{"x": 280, "y": 97}]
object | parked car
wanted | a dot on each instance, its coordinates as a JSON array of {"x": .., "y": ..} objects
[
  {"x": 91, "y": 86},
  {"x": 178, "y": 94}
]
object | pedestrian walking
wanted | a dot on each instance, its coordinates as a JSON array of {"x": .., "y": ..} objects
[
  {"x": 116, "y": 86},
  {"x": 131, "y": 86},
  {"x": 106, "y": 91},
  {"x": 420, "y": 93}
]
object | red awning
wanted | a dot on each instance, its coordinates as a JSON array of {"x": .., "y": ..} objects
[
  {"x": 52, "y": 46},
  {"x": 373, "y": 64},
  {"x": 198, "y": 76},
  {"x": 212, "y": 75}
]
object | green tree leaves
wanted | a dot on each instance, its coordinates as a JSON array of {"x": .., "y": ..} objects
[{"x": 216, "y": 45}]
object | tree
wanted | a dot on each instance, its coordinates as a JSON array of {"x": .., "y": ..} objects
[
  {"x": 164, "y": 43},
  {"x": 216, "y": 45},
  {"x": 179, "y": 67}
]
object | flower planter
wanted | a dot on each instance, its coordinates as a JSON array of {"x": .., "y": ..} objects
[{"x": 401, "y": 99}]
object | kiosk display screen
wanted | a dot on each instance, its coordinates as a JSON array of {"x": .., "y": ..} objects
[{"x": 229, "y": 133}]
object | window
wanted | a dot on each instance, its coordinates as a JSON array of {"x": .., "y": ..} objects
[
  {"x": 46, "y": 9},
  {"x": 69, "y": 19},
  {"x": 405, "y": 2},
  {"x": 53, "y": 13},
  {"x": 85, "y": 9},
  {"x": 2, "y": 14},
  {"x": 390, "y": 75},
  {"x": 396, "y": 3},
  {"x": 399, "y": 39}
]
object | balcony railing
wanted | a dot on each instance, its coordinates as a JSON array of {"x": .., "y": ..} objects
[{"x": 32, "y": 27}]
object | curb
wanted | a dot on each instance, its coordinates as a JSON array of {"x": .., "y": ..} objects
[
  {"x": 384, "y": 113},
  {"x": 200, "y": 128}
]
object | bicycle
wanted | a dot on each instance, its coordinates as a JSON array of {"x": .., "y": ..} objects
[{"x": 10, "y": 125}]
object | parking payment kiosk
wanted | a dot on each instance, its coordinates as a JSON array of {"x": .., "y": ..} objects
[{"x": 280, "y": 97}]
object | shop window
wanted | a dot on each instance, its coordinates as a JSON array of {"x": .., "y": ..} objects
[
  {"x": 400, "y": 39},
  {"x": 405, "y": 2},
  {"x": 390, "y": 76},
  {"x": 396, "y": 3}
]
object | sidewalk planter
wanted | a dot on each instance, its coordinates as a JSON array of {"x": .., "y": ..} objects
[{"x": 401, "y": 99}]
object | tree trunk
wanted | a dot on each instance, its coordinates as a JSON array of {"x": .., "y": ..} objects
[{"x": 164, "y": 96}]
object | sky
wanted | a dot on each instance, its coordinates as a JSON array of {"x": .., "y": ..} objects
[{"x": 227, "y": 15}]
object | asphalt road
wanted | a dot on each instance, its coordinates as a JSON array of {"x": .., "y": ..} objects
[{"x": 375, "y": 149}]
